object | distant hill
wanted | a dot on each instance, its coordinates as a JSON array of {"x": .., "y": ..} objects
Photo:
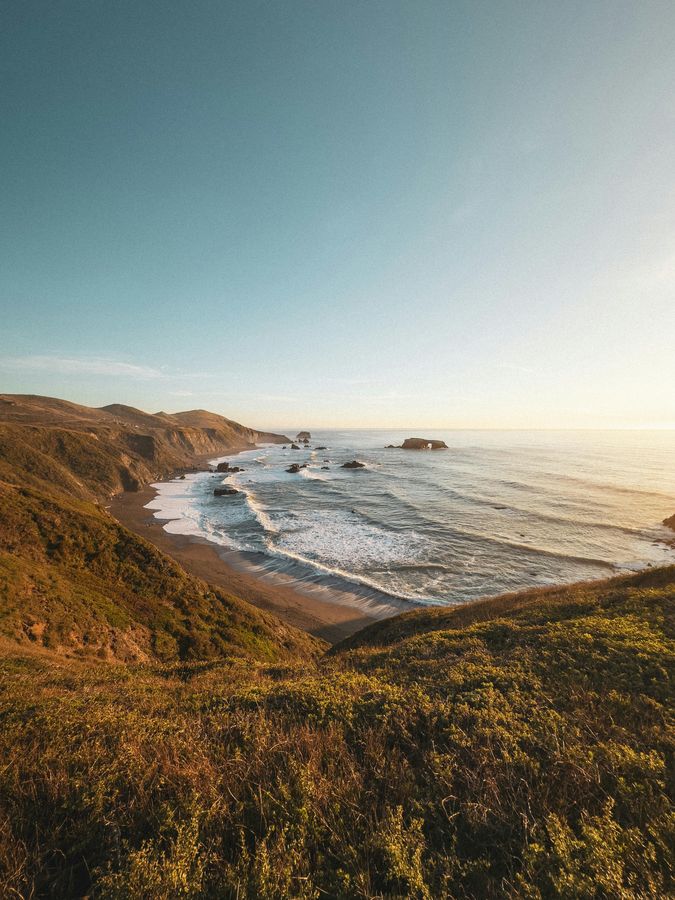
[{"x": 117, "y": 447}]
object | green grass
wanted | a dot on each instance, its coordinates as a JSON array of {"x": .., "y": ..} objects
[{"x": 526, "y": 755}]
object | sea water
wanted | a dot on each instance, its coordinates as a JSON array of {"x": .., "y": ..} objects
[{"x": 497, "y": 511}]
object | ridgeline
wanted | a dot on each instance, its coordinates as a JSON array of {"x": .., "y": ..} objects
[{"x": 161, "y": 738}]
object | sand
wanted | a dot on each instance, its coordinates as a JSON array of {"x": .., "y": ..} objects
[{"x": 331, "y": 619}]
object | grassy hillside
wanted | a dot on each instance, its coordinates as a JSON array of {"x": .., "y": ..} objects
[
  {"x": 73, "y": 580},
  {"x": 115, "y": 448},
  {"x": 161, "y": 739},
  {"x": 514, "y": 749}
]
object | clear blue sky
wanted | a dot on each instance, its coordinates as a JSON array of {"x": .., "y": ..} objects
[{"x": 342, "y": 213}]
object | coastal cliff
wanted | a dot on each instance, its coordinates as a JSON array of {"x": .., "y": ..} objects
[{"x": 114, "y": 448}]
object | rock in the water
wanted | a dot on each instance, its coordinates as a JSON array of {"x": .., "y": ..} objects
[
  {"x": 670, "y": 522},
  {"x": 423, "y": 444},
  {"x": 303, "y": 436},
  {"x": 226, "y": 467},
  {"x": 182, "y": 477},
  {"x": 321, "y": 448},
  {"x": 392, "y": 447},
  {"x": 354, "y": 464},
  {"x": 294, "y": 447},
  {"x": 224, "y": 492},
  {"x": 326, "y": 468},
  {"x": 294, "y": 469}
]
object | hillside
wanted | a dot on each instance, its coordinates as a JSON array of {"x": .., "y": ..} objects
[
  {"x": 117, "y": 447},
  {"x": 163, "y": 739},
  {"x": 519, "y": 748},
  {"x": 75, "y": 581}
]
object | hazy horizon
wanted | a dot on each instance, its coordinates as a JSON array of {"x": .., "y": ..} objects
[{"x": 343, "y": 215}]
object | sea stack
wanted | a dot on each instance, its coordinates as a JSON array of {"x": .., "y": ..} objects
[{"x": 423, "y": 444}]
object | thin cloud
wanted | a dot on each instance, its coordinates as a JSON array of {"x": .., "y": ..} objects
[
  {"x": 69, "y": 365},
  {"x": 91, "y": 365}
]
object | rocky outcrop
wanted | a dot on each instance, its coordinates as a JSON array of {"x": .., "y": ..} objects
[
  {"x": 294, "y": 468},
  {"x": 144, "y": 445},
  {"x": 423, "y": 444},
  {"x": 294, "y": 447},
  {"x": 226, "y": 467},
  {"x": 303, "y": 436},
  {"x": 224, "y": 492},
  {"x": 670, "y": 522},
  {"x": 321, "y": 448},
  {"x": 354, "y": 464}
]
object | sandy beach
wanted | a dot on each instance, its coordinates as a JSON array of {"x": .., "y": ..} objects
[{"x": 329, "y": 620}]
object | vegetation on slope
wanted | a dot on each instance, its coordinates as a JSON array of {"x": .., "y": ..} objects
[
  {"x": 115, "y": 448},
  {"x": 72, "y": 579},
  {"x": 519, "y": 749}
]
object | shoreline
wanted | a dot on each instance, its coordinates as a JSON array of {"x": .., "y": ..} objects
[
  {"x": 276, "y": 592},
  {"x": 326, "y": 606}
]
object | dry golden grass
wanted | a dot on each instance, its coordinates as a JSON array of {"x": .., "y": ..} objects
[{"x": 525, "y": 755}]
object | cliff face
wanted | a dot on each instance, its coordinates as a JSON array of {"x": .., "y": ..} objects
[{"x": 117, "y": 447}]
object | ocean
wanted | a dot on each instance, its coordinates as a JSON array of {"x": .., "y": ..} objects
[{"x": 497, "y": 511}]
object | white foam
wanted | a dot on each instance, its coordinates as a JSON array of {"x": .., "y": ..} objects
[
  {"x": 313, "y": 475},
  {"x": 455, "y": 500},
  {"x": 334, "y": 536},
  {"x": 259, "y": 511},
  {"x": 173, "y": 498}
]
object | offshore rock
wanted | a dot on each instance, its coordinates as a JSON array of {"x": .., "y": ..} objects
[{"x": 423, "y": 444}]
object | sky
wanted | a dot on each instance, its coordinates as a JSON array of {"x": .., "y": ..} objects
[{"x": 349, "y": 214}]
